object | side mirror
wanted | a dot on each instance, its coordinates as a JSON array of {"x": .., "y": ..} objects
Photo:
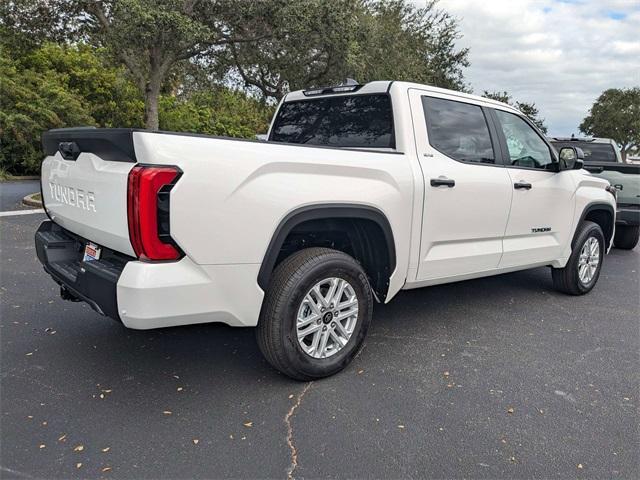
[{"x": 571, "y": 158}]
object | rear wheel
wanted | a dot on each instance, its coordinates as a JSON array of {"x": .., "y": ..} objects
[
  {"x": 582, "y": 270},
  {"x": 316, "y": 313},
  {"x": 626, "y": 236}
]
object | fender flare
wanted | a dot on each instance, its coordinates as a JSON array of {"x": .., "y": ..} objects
[
  {"x": 317, "y": 212},
  {"x": 594, "y": 206}
]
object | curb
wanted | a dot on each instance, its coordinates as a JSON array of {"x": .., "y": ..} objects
[
  {"x": 11, "y": 178},
  {"x": 29, "y": 201}
]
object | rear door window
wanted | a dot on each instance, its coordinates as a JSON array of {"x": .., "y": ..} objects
[
  {"x": 354, "y": 121},
  {"x": 459, "y": 130}
]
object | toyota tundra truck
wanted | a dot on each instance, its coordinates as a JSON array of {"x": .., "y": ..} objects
[{"x": 360, "y": 191}]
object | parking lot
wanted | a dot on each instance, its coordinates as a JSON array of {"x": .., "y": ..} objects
[{"x": 492, "y": 378}]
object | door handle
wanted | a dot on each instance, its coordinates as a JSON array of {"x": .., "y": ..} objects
[
  {"x": 443, "y": 182},
  {"x": 522, "y": 186}
]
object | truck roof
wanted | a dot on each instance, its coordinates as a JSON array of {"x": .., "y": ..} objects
[{"x": 384, "y": 86}]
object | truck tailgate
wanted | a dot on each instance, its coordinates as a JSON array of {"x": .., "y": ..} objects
[{"x": 84, "y": 183}]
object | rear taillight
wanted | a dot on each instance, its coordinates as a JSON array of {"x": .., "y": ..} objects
[{"x": 148, "y": 212}]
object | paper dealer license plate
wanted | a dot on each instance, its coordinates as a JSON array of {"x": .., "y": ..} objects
[{"x": 91, "y": 252}]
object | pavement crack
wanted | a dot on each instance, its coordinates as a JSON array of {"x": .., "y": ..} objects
[{"x": 290, "y": 442}]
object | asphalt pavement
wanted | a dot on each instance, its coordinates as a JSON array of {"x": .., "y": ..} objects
[
  {"x": 12, "y": 193},
  {"x": 492, "y": 378}
]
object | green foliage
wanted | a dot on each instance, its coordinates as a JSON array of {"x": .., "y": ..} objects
[
  {"x": 616, "y": 115},
  {"x": 529, "y": 109},
  {"x": 269, "y": 46},
  {"x": 112, "y": 98},
  {"x": 32, "y": 101},
  {"x": 218, "y": 112},
  {"x": 56, "y": 86},
  {"x": 321, "y": 43},
  {"x": 398, "y": 41}
]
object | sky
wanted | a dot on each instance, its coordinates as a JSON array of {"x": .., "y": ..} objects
[{"x": 559, "y": 54}]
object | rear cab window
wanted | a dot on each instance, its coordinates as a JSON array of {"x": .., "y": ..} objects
[{"x": 349, "y": 121}]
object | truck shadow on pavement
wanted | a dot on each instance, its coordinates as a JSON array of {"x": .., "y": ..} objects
[{"x": 209, "y": 352}]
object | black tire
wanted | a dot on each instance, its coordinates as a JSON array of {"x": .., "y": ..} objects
[
  {"x": 567, "y": 279},
  {"x": 292, "y": 279},
  {"x": 626, "y": 236}
]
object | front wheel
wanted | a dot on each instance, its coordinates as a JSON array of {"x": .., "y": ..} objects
[
  {"x": 582, "y": 270},
  {"x": 316, "y": 313},
  {"x": 626, "y": 236}
]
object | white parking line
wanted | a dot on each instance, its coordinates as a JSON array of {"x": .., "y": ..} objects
[{"x": 21, "y": 212}]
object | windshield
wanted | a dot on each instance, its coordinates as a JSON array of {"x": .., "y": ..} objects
[
  {"x": 593, "y": 152},
  {"x": 364, "y": 121}
]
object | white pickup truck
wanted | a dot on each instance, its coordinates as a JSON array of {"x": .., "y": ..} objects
[{"x": 359, "y": 192}]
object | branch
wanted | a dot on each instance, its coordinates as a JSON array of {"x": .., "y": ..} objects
[
  {"x": 248, "y": 80},
  {"x": 104, "y": 22}
]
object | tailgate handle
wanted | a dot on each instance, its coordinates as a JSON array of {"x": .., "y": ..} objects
[{"x": 69, "y": 150}]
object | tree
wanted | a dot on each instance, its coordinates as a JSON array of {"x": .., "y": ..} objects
[
  {"x": 57, "y": 86},
  {"x": 32, "y": 101},
  {"x": 150, "y": 37},
  {"x": 215, "y": 111},
  {"x": 616, "y": 115},
  {"x": 529, "y": 109},
  {"x": 314, "y": 43}
]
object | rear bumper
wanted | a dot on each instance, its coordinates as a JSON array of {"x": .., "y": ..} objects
[
  {"x": 94, "y": 282},
  {"x": 628, "y": 215},
  {"x": 146, "y": 295}
]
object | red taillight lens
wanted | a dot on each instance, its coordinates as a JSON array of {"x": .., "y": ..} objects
[{"x": 148, "y": 212}]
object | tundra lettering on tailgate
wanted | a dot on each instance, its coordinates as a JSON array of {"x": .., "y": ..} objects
[{"x": 76, "y": 197}]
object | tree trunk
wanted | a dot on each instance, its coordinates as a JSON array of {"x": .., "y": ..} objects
[
  {"x": 151, "y": 97},
  {"x": 623, "y": 153}
]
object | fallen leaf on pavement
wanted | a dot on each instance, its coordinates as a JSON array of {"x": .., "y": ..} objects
[
  {"x": 106, "y": 469},
  {"x": 580, "y": 466},
  {"x": 106, "y": 449},
  {"x": 167, "y": 412},
  {"x": 248, "y": 424},
  {"x": 42, "y": 445},
  {"x": 510, "y": 410},
  {"x": 196, "y": 441},
  {"x": 78, "y": 448},
  {"x": 78, "y": 465},
  {"x": 62, "y": 438}
]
